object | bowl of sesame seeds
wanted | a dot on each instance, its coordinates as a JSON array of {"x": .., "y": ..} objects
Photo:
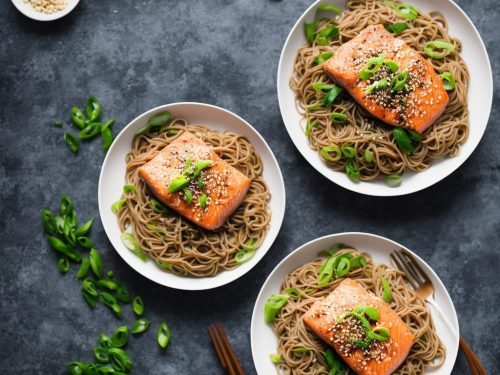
[{"x": 45, "y": 10}]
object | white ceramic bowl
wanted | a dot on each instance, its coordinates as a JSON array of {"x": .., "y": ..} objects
[
  {"x": 112, "y": 179},
  {"x": 264, "y": 341},
  {"x": 480, "y": 99},
  {"x": 28, "y": 11}
]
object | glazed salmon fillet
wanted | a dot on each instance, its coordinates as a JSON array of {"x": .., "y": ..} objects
[
  {"x": 417, "y": 106},
  {"x": 223, "y": 186},
  {"x": 380, "y": 357}
]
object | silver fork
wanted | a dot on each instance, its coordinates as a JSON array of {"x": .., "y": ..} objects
[{"x": 418, "y": 279}]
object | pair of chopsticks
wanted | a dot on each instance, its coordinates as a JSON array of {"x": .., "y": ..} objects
[{"x": 223, "y": 350}]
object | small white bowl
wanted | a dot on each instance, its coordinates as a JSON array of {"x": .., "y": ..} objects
[
  {"x": 28, "y": 10},
  {"x": 112, "y": 179}
]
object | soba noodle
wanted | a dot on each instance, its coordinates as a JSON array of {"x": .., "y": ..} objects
[
  {"x": 174, "y": 242},
  {"x": 361, "y": 131},
  {"x": 427, "y": 350}
]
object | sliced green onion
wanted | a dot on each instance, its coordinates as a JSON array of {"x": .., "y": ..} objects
[
  {"x": 96, "y": 263},
  {"x": 393, "y": 180},
  {"x": 309, "y": 126},
  {"x": 90, "y": 131},
  {"x": 88, "y": 287},
  {"x": 301, "y": 350},
  {"x": 129, "y": 189},
  {"x": 132, "y": 244},
  {"x": 105, "y": 341},
  {"x": 343, "y": 268},
  {"x": 273, "y": 306},
  {"x": 338, "y": 117},
  {"x": 414, "y": 135},
  {"x": 72, "y": 142},
  {"x": 358, "y": 262},
  {"x": 329, "y": 8},
  {"x": 380, "y": 333},
  {"x": 392, "y": 65},
  {"x": 377, "y": 85},
  {"x": 166, "y": 266},
  {"x": 140, "y": 326},
  {"x": 120, "y": 337},
  {"x": 321, "y": 86},
  {"x": 117, "y": 206},
  {"x": 324, "y": 36},
  {"x": 84, "y": 242},
  {"x": 203, "y": 201},
  {"x": 178, "y": 183},
  {"x": 93, "y": 108},
  {"x": 276, "y": 358},
  {"x": 247, "y": 251},
  {"x": 119, "y": 360},
  {"x": 368, "y": 156},
  {"x": 188, "y": 195},
  {"x": 293, "y": 292},
  {"x": 108, "y": 123},
  {"x": 448, "y": 81},
  {"x": 65, "y": 206},
  {"x": 78, "y": 117},
  {"x": 407, "y": 11},
  {"x": 309, "y": 31},
  {"x": 106, "y": 138},
  {"x": 164, "y": 335},
  {"x": 387, "y": 291},
  {"x": 371, "y": 67},
  {"x": 364, "y": 322},
  {"x": 63, "y": 265},
  {"x": 335, "y": 364},
  {"x": 352, "y": 170},
  {"x": 372, "y": 313},
  {"x": 200, "y": 165},
  {"x": 326, "y": 153},
  {"x": 110, "y": 301},
  {"x": 158, "y": 207},
  {"x": 109, "y": 284},
  {"x": 326, "y": 271},
  {"x": 84, "y": 268},
  {"x": 323, "y": 57},
  {"x": 84, "y": 229},
  {"x": 138, "y": 306},
  {"x": 396, "y": 28},
  {"x": 403, "y": 140},
  {"x": 172, "y": 132},
  {"x": 64, "y": 249},
  {"x": 348, "y": 151},
  {"x": 432, "y": 48},
  {"x": 398, "y": 83},
  {"x": 156, "y": 121},
  {"x": 123, "y": 294},
  {"x": 313, "y": 107},
  {"x": 48, "y": 222}
]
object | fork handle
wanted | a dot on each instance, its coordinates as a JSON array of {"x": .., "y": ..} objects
[{"x": 474, "y": 364}]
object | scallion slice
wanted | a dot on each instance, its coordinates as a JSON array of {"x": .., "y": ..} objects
[
  {"x": 396, "y": 28},
  {"x": 331, "y": 95},
  {"x": 376, "y": 86},
  {"x": 338, "y": 117},
  {"x": 398, "y": 83},
  {"x": 448, "y": 81},
  {"x": 371, "y": 67},
  {"x": 407, "y": 11},
  {"x": 323, "y": 57},
  {"x": 326, "y": 153},
  {"x": 438, "y": 49},
  {"x": 273, "y": 306}
]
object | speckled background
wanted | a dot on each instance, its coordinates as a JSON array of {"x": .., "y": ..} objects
[{"x": 135, "y": 55}]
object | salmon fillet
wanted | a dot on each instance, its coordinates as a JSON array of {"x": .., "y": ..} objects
[
  {"x": 417, "y": 107},
  {"x": 381, "y": 357},
  {"x": 224, "y": 186}
]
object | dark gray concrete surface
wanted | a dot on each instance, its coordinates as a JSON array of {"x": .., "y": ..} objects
[{"x": 135, "y": 55}]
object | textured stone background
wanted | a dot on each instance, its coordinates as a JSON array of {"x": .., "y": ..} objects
[{"x": 135, "y": 55}]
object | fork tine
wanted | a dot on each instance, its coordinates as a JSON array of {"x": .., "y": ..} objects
[
  {"x": 417, "y": 266},
  {"x": 216, "y": 347},
  {"x": 399, "y": 266},
  {"x": 230, "y": 349}
]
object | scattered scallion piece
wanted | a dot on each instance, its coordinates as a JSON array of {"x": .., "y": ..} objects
[
  {"x": 392, "y": 65},
  {"x": 387, "y": 291},
  {"x": 63, "y": 265},
  {"x": 133, "y": 245},
  {"x": 323, "y": 57},
  {"x": 84, "y": 268},
  {"x": 326, "y": 271},
  {"x": 188, "y": 196},
  {"x": 309, "y": 126},
  {"x": 138, "y": 306},
  {"x": 101, "y": 354},
  {"x": 158, "y": 207},
  {"x": 140, "y": 326},
  {"x": 309, "y": 31},
  {"x": 178, "y": 183},
  {"x": 93, "y": 108},
  {"x": 393, "y": 180},
  {"x": 120, "y": 360},
  {"x": 381, "y": 84},
  {"x": 84, "y": 242},
  {"x": 90, "y": 131},
  {"x": 58, "y": 123},
  {"x": 398, "y": 83},
  {"x": 273, "y": 306},
  {"x": 338, "y": 117},
  {"x": 335, "y": 364},
  {"x": 438, "y": 49},
  {"x": 403, "y": 140},
  {"x": 120, "y": 337},
  {"x": 203, "y": 201},
  {"x": 371, "y": 67},
  {"x": 110, "y": 301},
  {"x": 293, "y": 292},
  {"x": 96, "y": 263},
  {"x": 276, "y": 358},
  {"x": 106, "y": 139},
  {"x": 78, "y": 117},
  {"x": 117, "y": 206},
  {"x": 164, "y": 335},
  {"x": 352, "y": 170},
  {"x": 407, "y": 11},
  {"x": 448, "y": 81},
  {"x": 301, "y": 350},
  {"x": 72, "y": 142},
  {"x": 368, "y": 155},
  {"x": 343, "y": 267},
  {"x": 155, "y": 122},
  {"x": 325, "y": 35},
  {"x": 84, "y": 229},
  {"x": 123, "y": 294},
  {"x": 321, "y": 86},
  {"x": 396, "y": 28},
  {"x": 348, "y": 151},
  {"x": 129, "y": 189},
  {"x": 326, "y": 153},
  {"x": 48, "y": 222},
  {"x": 247, "y": 251},
  {"x": 329, "y": 8}
]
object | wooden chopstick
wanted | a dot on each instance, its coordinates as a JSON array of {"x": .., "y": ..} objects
[{"x": 223, "y": 349}]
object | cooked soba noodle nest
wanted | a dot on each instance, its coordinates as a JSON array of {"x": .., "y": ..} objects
[
  {"x": 175, "y": 243},
  {"x": 427, "y": 350},
  {"x": 362, "y": 131}
]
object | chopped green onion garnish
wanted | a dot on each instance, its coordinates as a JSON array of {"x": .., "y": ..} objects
[
  {"x": 138, "y": 306},
  {"x": 84, "y": 268},
  {"x": 391, "y": 65},
  {"x": 78, "y": 117},
  {"x": 372, "y": 313},
  {"x": 117, "y": 206},
  {"x": 188, "y": 195},
  {"x": 310, "y": 31},
  {"x": 320, "y": 86},
  {"x": 101, "y": 355},
  {"x": 371, "y": 67},
  {"x": 178, "y": 183},
  {"x": 301, "y": 350},
  {"x": 329, "y": 8},
  {"x": 380, "y": 333},
  {"x": 309, "y": 126},
  {"x": 96, "y": 263},
  {"x": 377, "y": 85},
  {"x": 140, "y": 326},
  {"x": 324, "y": 36},
  {"x": 387, "y": 291},
  {"x": 414, "y": 135},
  {"x": 119, "y": 359},
  {"x": 90, "y": 131},
  {"x": 156, "y": 121},
  {"x": 84, "y": 229},
  {"x": 393, "y": 180},
  {"x": 368, "y": 156},
  {"x": 120, "y": 337},
  {"x": 331, "y": 95},
  {"x": 110, "y": 301},
  {"x": 106, "y": 138},
  {"x": 63, "y": 265},
  {"x": 432, "y": 47},
  {"x": 323, "y": 57},
  {"x": 247, "y": 251},
  {"x": 338, "y": 117},
  {"x": 132, "y": 244},
  {"x": 293, "y": 292},
  {"x": 326, "y": 153},
  {"x": 326, "y": 271},
  {"x": 276, "y": 358},
  {"x": 348, "y": 151},
  {"x": 398, "y": 83},
  {"x": 403, "y": 140},
  {"x": 273, "y": 306},
  {"x": 157, "y": 206},
  {"x": 396, "y": 28},
  {"x": 93, "y": 108},
  {"x": 203, "y": 201},
  {"x": 129, "y": 189},
  {"x": 72, "y": 142},
  {"x": 407, "y": 11},
  {"x": 343, "y": 267},
  {"x": 448, "y": 81},
  {"x": 352, "y": 170},
  {"x": 164, "y": 335}
]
